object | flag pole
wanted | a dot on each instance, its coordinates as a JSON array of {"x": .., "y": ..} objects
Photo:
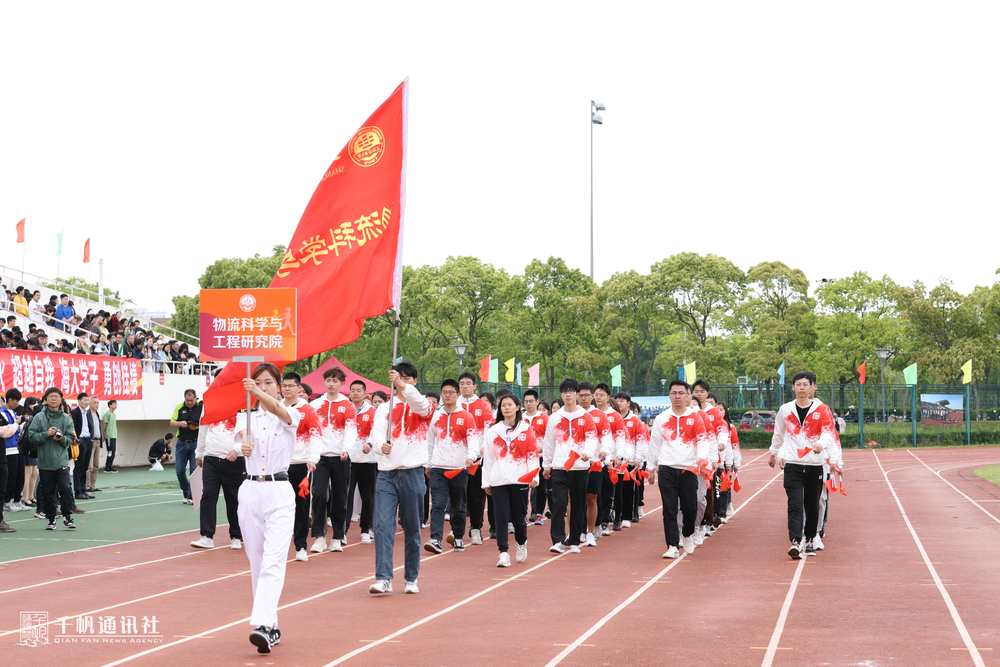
[
  {"x": 24, "y": 251},
  {"x": 392, "y": 393}
]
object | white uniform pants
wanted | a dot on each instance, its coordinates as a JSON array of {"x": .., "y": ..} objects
[{"x": 267, "y": 518}]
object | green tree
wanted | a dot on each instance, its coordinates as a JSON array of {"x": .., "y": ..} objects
[{"x": 698, "y": 291}]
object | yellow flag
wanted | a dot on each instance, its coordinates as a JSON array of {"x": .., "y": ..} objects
[
  {"x": 690, "y": 372},
  {"x": 967, "y": 372},
  {"x": 510, "y": 370}
]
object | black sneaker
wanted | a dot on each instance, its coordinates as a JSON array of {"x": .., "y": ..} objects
[
  {"x": 263, "y": 639},
  {"x": 51, "y": 526},
  {"x": 433, "y": 546},
  {"x": 810, "y": 550},
  {"x": 617, "y": 527},
  {"x": 4, "y": 528},
  {"x": 548, "y": 514},
  {"x": 493, "y": 534},
  {"x": 68, "y": 522},
  {"x": 459, "y": 545},
  {"x": 795, "y": 551}
]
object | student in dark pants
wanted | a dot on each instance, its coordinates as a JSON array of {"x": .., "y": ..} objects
[
  {"x": 304, "y": 458},
  {"x": 222, "y": 467},
  {"x": 85, "y": 427}
]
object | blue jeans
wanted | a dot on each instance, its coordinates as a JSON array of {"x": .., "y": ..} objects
[
  {"x": 401, "y": 490},
  {"x": 184, "y": 458}
]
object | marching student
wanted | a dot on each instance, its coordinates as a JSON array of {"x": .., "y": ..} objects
[
  {"x": 570, "y": 444},
  {"x": 718, "y": 434},
  {"x": 510, "y": 454},
  {"x": 338, "y": 421},
  {"x": 400, "y": 483},
  {"x": 536, "y": 414},
  {"x": 619, "y": 446},
  {"x": 641, "y": 452},
  {"x": 305, "y": 457},
  {"x": 222, "y": 466},
  {"x": 723, "y": 499},
  {"x": 266, "y": 501},
  {"x": 364, "y": 464},
  {"x": 605, "y": 450},
  {"x": 482, "y": 413},
  {"x": 803, "y": 437},
  {"x": 832, "y": 468},
  {"x": 679, "y": 441},
  {"x": 452, "y": 446},
  {"x": 627, "y": 452}
]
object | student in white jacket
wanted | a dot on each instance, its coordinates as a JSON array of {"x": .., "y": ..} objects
[{"x": 510, "y": 456}]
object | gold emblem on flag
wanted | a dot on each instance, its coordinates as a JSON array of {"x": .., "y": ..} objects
[{"x": 366, "y": 147}]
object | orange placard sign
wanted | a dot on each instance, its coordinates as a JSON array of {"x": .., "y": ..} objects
[{"x": 248, "y": 322}]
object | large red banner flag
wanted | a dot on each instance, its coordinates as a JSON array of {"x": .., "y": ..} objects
[
  {"x": 20, "y": 231},
  {"x": 345, "y": 257}
]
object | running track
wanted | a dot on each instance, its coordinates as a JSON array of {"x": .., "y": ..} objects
[{"x": 909, "y": 577}]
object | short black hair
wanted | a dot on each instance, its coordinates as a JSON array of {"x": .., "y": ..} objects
[
  {"x": 713, "y": 397},
  {"x": 701, "y": 383},
  {"x": 569, "y": 384},
  {"x": 168, "y": 436},
  {"x": 112, "y": 402},
  {"x": 50, "y": 390},
  {"x": 470, "y": 375},
  {"x": 406, "y": 369},
  {"x": 293, "y": 376},
  {"x": 361, "y": 382},
  {"x": 603, "y": 386},
  {"x": 697, "y": 400},
  {"x": 625, "y": 395},
  {"x": 82, "y": 395},
  {"x": 804, "y": 375},
  {"x": 680, "y": 383},
  {"x": 531, "y": 392},
  {"x": 190, "y": 392},
  {"x": 13, "y": 394},
  {"x": 489, "y": 398},
  {"x": 433, "y": 394},
  {"x": 309, "y": 390},
  {"x": 586, "y": 385},
  {"x": 450, "y": 383}
]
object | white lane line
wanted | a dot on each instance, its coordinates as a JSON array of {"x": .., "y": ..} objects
[
  {"x": 110, "y": 509},
  {"x": 772, "y": 646},
  {"x": 246, "y": 620},
  {"x": 428, "y": 619},
  {"x": 954, "y": 487},
  {"x": 969, "y": 644},
  {"x": 156, "y": 595},
  {"x": 103, "y": 546},
  {"x": 614, "y": 612}
]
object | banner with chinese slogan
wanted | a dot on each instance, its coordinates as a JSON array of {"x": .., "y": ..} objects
[
  {"x": 248, "y": 323},
  {"x": 104, "y": 377}
]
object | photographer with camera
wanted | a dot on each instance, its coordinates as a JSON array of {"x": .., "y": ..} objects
[{"x": 51, "y": 431}]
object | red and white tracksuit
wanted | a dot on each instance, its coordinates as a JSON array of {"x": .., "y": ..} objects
[
  {"x": 568, "y": 432},
  {"x": 411, "y": 419},
  {"x": 452, "y": 440}
]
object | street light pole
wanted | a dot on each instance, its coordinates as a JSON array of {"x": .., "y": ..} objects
[
  {"x": 883, "y": 354},
  {"x": 460, "y": 349},
  {"x": 595, "y": 119}
]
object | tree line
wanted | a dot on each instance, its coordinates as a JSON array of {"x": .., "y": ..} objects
[{"x": 686, "y": 307}]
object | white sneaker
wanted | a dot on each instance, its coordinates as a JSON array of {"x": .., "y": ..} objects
[
  {"x": 557, "y": 548},
  {"x": 475, "y": 537},
  {"x": 672, "y": 552},
  {"x": 510, "y": 527},
  {"x": 203, "y": 543},
  {"x": 235, "y": 543},
  {"x": 20, "y": 507},
  {"x": 583, "y": 537},
  {"x": 355, "y": 518},
  {"x": 411, "y": 587},
  {"x": 697, "y": 538},
  {"x": 504, "y": 560},
  {"x": 723, "y": 520},
  {"x": 301, "y": 555},
  {"x": 606, "y": 530},
  {"x": 689, "y": 545},
  {"x": 795, "y": 551},
  {"x": 590, "y": 541},
  {"x": 450, "y": 539},
  {"x": 641, "y": 513},
  {"x": 366, "y": 538},
  {"x": 319, "y": 545},
  {"x": 626, "y": 524},
  {"x": 574, "y": 548},
  {"x": 521, "y": 554},
  {"x": 336, "y": 546},
  {"x": 381, "y": 586},
  {"x": 818, "y": 543},
  {"x": 447, "y": 517},
  {"x": 8, "y": 507},
  {"x": 329, "y": 522}
]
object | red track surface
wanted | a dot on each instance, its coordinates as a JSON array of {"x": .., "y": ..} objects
[{"x": 868, "y": 599}]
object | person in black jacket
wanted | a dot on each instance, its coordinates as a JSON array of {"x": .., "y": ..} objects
[{"x": 86, "y": 427}]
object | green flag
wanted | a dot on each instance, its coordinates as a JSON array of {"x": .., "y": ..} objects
[
  {"x": 616, "y": 376},
  {"x": 494, "y": 370},
  {"x": 59, "y": 242},
  {"x": 910, "y": 374}
]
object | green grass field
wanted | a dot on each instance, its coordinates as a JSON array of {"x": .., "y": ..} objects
[{"x": 990, "y": 473}]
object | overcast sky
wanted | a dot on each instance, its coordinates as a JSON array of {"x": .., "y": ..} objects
[{"x": 835, "y": 137}]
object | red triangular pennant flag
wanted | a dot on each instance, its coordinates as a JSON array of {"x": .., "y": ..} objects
[
  {"x": 86, "y": 252},
  {"x": 20, "y": 231},
  {"x": 484, "y": 368},
  {"x": 573, "y": 456},
  {"x": 861, "y": 371},
  {"x": 304, "y": 487},
  {"x": 596, "y": 466},
  {"x": 802, "y": 452},
  {"x": 473, "y": 468},
  {"x": 526, "y": 479},
  {"x": 831, "y": 485},
  {"x": 452, "y": 474},
  {"x": 726, "y": 482},
  {"x": 736, "y": 484},
  {"x": 843, "y": 491}
]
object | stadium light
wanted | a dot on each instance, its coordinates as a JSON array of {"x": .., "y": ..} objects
[
  {"x": 595, "y": 119},
  {"x": 460, "y": 349}
]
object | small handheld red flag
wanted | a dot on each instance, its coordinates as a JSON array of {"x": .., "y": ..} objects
[
  {"x": 595, "y": 466},
  {"x": 473, "y": 468},
  {"x": 573, "y": 456},
  {"x": 802, "y": 452},
  {"x": 831, "y": 485},
  {"x": 843, "y": 491},
  {"x": 613, "y": 475},
  {"x": 736, "y": 483},
  {"x": 452, "y": 474},
  {"x": 526, "y": 479},
  {"x": 726, "y": 482},
  {"x": 304, "y": 487}
]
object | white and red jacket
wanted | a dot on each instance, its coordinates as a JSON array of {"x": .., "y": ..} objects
[
  {"x": 680, "y": 442},
  {"x": 366, "y": 419},
  {"x": 718, "y": 430},
  {"x": 452, "y": 439},
  {"x": 790, "y": 435},
  {"x": 217, "y": 439},
  {"x": 569, "y": 431},
  {"x": 539, "y": 421},
  {"x": 481, "y": 413},
  {"x": 307, "y": 436},
  {"x": 734, "y": 438},
  {"x": 411, "y": 419},
  {"x": 619, "y": 434},
  {"x": 605, "y": 440},
  {"x": 509, "y": 454},
  {"x": 338, "y": 419},
  {"x": 632, "y": 428},
  {"x": 642, "y": 445}
]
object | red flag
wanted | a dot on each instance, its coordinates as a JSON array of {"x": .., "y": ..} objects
[
  {"x": 736, "y": 484},
  {"x": 20, "y": 231},
  {"x": 573, "y": 456},
  {"x": 613, "y": 475},
  {"x": 452, "y": 474},
  {"x": 595, "y": 466},
  {"x": 86, "y": 252},
  {"x": 484, "y": 369},
  {"x": 473, "y": 468},
  {"x": 861, "y": 371},
  {"x": 526, "y": 478},
  {"x": 802, "y": 452},
  {"x": 345, "y": 257},
  {"x": 304, "y": 487}
]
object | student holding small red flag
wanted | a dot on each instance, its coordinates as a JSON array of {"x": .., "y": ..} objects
[
  {"x": 307, "y": 447},
  {"x": 364, "y": 463},
  {"x": 483, "y": 415},
  {"x": 570, "y": 444},
  {"x": 628, "y": 454},
  {"x": 510, "y": 467},
  {"x": 453, "y": 443},
  {"x": 539, "y": 420}
]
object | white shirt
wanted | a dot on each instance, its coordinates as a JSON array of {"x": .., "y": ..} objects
[
  {"x": 217, "y": 440},
  {"x": 273, "y": 441},
  {"x": 35, "y": 310}
]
